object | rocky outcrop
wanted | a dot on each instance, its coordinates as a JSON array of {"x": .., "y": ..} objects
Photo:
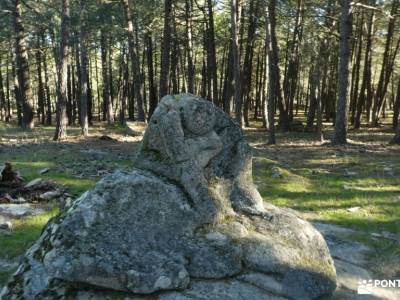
[{"x": 186, "y": 223}]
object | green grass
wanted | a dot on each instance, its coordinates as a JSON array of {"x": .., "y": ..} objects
[
  {"x": 330, "y": 195},
  {"x": 314, "y": 181},
  {"x": 29, "y": 152},
  {"x": 24, "y": 233},
  {"x": 5, "y": 275},
  {"x": 30, "y": 170}
]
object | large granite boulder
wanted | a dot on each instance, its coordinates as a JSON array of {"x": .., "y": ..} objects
[{"x": 186, "y": 223}]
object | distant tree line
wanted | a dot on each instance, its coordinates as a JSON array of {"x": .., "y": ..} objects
[{"x": 67, "y": 62}]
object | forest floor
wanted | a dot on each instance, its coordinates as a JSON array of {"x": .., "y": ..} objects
[{"x": 356, "y": 187}]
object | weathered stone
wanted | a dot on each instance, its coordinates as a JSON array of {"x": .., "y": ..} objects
[
  {"x": 227, "y": 290},
  {"x": 19, "y": 210},
  {"x": 44, "y": 171},
  {"x": 276, "y": 172},
  {"x": 33, "y": 183},
  {"x": 50, "y": 195},
  {"x": 187, "y": 223},
  {"x": 94, "y": 154},
  {"x": 19, "y": 200},
  {"x": 6, "y": 225}
]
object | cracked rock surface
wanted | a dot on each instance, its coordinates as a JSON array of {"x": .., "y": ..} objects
[{"x": 186, "y": 223}]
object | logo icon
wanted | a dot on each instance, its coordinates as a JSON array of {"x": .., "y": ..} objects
[{"x": 365, "y": 287}]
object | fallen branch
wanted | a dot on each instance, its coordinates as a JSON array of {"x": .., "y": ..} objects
[{"x": 358, "y": 4}]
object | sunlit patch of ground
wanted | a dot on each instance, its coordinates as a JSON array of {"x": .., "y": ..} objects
[{"x": 323, "y": 182}]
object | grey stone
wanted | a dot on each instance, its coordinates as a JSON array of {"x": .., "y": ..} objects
[
  {"x": 19, "y": 210},
  {"x": 349, "y": 173},
  {"x": 7, "y": 264},
  {"x": 186, "y": 223},
  {"x": 333, "y": 230},
  {"x": 19, "y": 200},
  {"x": 353, "y": 209},
  {"x": 276, "y": 172},
  {"x": 351, "y": 261},
  {"x": 44, "y": 171},
  {"x": 265, "y": 282},
  {"x": 217, "y": 290},
  {"x": 94, "y": 153},
  {"x": 342, "y": 245},
  {"x": 33, "y": 183},
  {"x": 50, "y": 195},
  {"x": 6, "y": 225},
  {"x": 349, "y": 251}
]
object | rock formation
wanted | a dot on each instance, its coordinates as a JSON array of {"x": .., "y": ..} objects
[{"x": 186, "y": 223}]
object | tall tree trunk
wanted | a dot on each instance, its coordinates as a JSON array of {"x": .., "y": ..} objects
[
  {"x": 3, "y": 110},
  {"x": 143, "y": 80},
  {"x": 382, "y": 106},
  {"x": 174, "y": 60},
  {"x": 356, "y": 72},
  {"x": 211, "y": 56},
  {"x": 257, "y": 87},
  {"x": 235, "y": 11},
  {"x": 150, "y": 73},
  {"x": 228, "y": 87},
  {"x": 320, "y": 69},
  {"x": 203, "y": 92},
  {"x": 65, "y": 53},
  {"x": 221, "y": 76},
  {"x": 110, "y": 110},
  {"x": 313, "y": 95},
  {"x": 40, "y": 88},
  {"x": 165, "y": 49},
  {"x": 340, "y": 135},
  {"x": 17, "y": 93},
  {"x": 272, "y": 66},
  {"x": 396, "y": 106},
  {"x": 366, "y": 78},
  {"x": 70, "y": 96},
  {"x": 46, "y": 85},
  {"x": 75, "y": 103},
  {"x": 135, "y": 61},
  {"x": 76, "y": 89},
  {"x": 248, "y": 59},
  {"x": 291, "y": 74},
  {"x": 206, "y": 78},
  {"x": 22, "y": 68},
  {"x": 89, "y": 92},
  {"x": 97, "y": 85},
  {"x": 396, "y": 138},
  {"x": 9, "y": 113},
  {"x": 274, "y": 61},
  {"x": 84, "y": 120},
  {"x": 387, "y": 65},
  {"x": 264, "y": 86},
  {"x": 107, "y": 105},
  {"x": 189, "y": 45},
  {"x": 319, "y": 116},
  {"x": 125, "y": 87}
]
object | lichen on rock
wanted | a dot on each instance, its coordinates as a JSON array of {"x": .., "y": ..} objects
[{"x": 186, "y": 223}]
